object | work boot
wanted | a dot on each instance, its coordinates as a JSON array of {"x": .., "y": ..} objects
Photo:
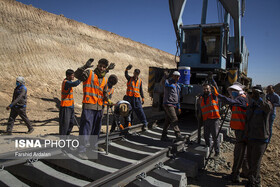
[
  {"x": 180, "y": 138},
  {"x": 30, "y": 131},
  {"x": 243, "y": 175},
  {"x": 235, "y": 179},
  {"x": 8, "y": 133},
  {"x": 83, "y": 156},
  {"x": 165, "y": 138},
  {"x": 144, "y": 128},
  {"x": 100, "y": 149}
]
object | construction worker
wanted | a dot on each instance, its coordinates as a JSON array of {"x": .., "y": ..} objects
[
  {"x": 274, "y": 99},
  {"x": 171, "y": 102},
  {"x": 256, "y": 133},
  {"x": 238, "y": 103},
  {"x": 18, "y": 106},
  {"x": 133, "y": 93},
  {"x": 112, "y": 81},
  {"x": 66, "y": 110},
  {"x": 95, "y": 92},
  {"x": 122, "y": 109},
  {"x": 209, "y": 111}
]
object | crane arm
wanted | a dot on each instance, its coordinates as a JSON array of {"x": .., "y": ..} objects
[
  {"x": 233, "y": 8},
  {"x": 176, "y": 10}
]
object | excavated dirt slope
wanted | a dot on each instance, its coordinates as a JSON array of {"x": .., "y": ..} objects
[{"x": 40, "y": 46}]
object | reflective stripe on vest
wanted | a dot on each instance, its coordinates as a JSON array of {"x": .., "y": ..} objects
[
  {"x": 93, "y": 92},
  {"x": 133, "y": 89},
  {"x": 210, "y": 110},
  {"x": 67, "y": 99},
  {"x": 238, "y": 116}
]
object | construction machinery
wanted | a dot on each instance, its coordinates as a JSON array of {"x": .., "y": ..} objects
[{"x": 208, "y": 50}]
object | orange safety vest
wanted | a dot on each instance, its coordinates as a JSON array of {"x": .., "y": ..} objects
[
  {"x": 110, "y": 92},
  {"x": 238, "y": 117},
  {"x": 210, "y": 109},
  {"x": 67, "y": 98},
  {"x": 133, "y": 89},
  {"x": 93, "y": 92}
]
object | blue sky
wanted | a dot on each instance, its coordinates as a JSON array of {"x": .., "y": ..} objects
[{"x": 149, "y": 22}]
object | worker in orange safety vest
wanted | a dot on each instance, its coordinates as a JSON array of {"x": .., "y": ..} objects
[
  {"x": 95, "y": 91},
  {"x": 66, "y": 110},
  {"x": 134, "y": 93},
  {"x": 211, "y": 117},
  {"x": 238, "y": 102}
]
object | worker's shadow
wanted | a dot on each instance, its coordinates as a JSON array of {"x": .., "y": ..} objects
[
  {"x": 51, "y": 121},
  {"x": 55, "y": 100}
]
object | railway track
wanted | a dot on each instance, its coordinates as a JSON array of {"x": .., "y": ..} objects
[{"x": 135, "y": 159}]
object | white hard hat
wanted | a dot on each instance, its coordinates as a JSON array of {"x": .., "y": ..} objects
[
  {"x": 235, "y": 87},
  {"x": 20, "y": 80},
  {"x": 177, "y": 73}
]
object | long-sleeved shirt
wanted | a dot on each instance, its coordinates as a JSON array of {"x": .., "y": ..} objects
[
  {"x": 238, "y": 101},
  {"x": 257, "y": 123},
  {"x": 274, "y": 99},
  {"x": 129, "y": 77},
  {"x": 19, "y": 96},
  {"x": 82, "y": 74},
  {"x": 171, "y": 94},
  {"x": 70, "y": 84}
]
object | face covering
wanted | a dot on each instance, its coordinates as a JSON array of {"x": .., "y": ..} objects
[
  {"x": 234, "y": 94},
  {"x": 206, "y": 93},
  {"x": 17, "y": 83}
]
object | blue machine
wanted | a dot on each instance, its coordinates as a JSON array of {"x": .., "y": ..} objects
[{"x": 209, "y": 48}]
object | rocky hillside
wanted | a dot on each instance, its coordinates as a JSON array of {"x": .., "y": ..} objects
[{"x": 40, "y": 46}]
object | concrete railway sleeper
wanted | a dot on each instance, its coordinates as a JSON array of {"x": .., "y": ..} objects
[{"x": 137, "y": 159}]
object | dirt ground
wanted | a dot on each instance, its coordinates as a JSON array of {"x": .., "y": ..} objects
[
  {"x": 40, "y": 46},
  {"x": 45, "y": 121}
]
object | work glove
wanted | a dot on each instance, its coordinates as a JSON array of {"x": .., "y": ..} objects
[
  {"x": 111, "y": 66},
  {"x": 216, "y": 93},
  {"x": 129, "y": 67},
  {"x": 88, "y": 63},
  {"x": 179, "y": 111},
  {"x": 121, "y": 127},
  {"x": 142, "y": 101},
  {"x": 110, "y": 103}
]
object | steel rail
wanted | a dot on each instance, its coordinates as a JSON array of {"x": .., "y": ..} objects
[
  {"x": 129, "y": 173},
  {"x": 4, "y": 162}
]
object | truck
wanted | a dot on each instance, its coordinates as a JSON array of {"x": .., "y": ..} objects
[{"x": 208, "y": 50}]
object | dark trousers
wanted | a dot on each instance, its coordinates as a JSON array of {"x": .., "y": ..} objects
[
  {"x": 240, "y": 154},
  {"x": 211, "y": 128},
  {"x": 271, "y": 120},
  {"x": 18, "y": 111},
  {"x": 170, "y": 119},
  {"x": 138, "y": 109},
  {"x": 255, "y": 153},
  {"x": 89, "y": 128},
  {"x": 66, "y": 120}
]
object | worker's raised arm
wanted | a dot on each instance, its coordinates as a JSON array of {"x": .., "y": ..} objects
[
  {"x": 82, "y": 73},
  {"x": 126, "y": 72}
]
